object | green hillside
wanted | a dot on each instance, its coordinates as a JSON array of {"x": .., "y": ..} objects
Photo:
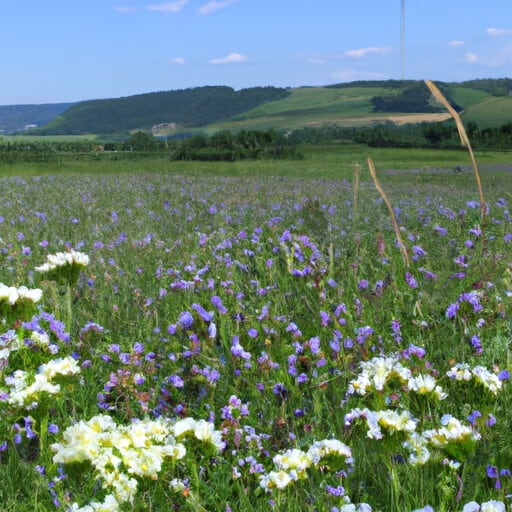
[
  {"x": 189, "y": 107},
  {"x": 486, "y": 102},
  {"x": 490, "y": 112}
]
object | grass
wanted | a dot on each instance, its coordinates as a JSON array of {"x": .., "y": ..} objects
[
  {"x": 490, "y": 112},
  {"x": 254, "y": 297}
]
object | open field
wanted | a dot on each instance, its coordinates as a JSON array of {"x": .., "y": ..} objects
[
  {"x": 490, "y": 112},
  {"x": 256, "y": 336}
]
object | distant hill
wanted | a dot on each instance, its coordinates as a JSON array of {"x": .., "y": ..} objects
[
  {"x": 187, "y": 108},
  {"x": 487, "y": 102},
  {"x": 15, "y": 118}
]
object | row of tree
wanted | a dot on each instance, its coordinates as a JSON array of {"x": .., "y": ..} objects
[
  {"x": 251, "y": 144},
  {"x": 431, "y": 135},
  {"x": 222, "y": 145},
  {"x": 245, "y": 144}
]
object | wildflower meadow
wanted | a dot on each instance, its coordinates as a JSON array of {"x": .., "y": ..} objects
[{"x": 254, "y": 343}]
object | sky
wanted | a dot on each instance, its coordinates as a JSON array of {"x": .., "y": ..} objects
[{"x": 57, "y": 51}]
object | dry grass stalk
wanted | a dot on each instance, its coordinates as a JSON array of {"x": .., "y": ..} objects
[
  {"x": 355, "y": 201},
  {"x": 464, "y": 139},
  {"x": 379, "y": 188}
]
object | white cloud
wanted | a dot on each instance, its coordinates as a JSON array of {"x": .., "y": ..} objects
[
  {"x": 349, "y": 75},
  {"x": 472, "y": 57},
  {"x": 315, "y": 60},
  {"x": 179, "y": 61},
  {"x": 456, "y": 44},
  {"x": 232, "y": 58},
  {"x": 125, "y": 8},
  {"x": 167, "y": 7},
  {"x": 497, "y": 32},
  {"x": 363, "y": 52},
  {"x": 215, "y": 5}
]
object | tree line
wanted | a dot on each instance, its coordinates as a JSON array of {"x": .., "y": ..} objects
[
  {"x": 420, "y": 135},
  {"x": 222, "y": 145}
]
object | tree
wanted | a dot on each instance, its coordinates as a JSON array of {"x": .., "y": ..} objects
[{"x": 141, "y": 141}]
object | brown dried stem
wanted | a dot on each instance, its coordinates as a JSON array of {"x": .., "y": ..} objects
[
  {"x": 464, "y": 139},
  {"x": 379, "y": 188}
]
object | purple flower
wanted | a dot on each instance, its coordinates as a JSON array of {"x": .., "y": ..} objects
[
  {"x": 451, "y": 310},
  {"x": 52, "y": 428},
  {"x": 396, "y": 328},
  {"x": 440, "y": 230},
  {"x": 477, "y": 345},
  {"x": 491, "y": 420},
  {"x": 472, "y": 418},
  {"x": 363, "y": 284},
  {"x": 217, "y": 302},
  {"x": 280, "y": 391},
  {"x": 186, "y": 320},
  {"x": 124, "y": 357},
  {"x": 410, "y": 280},
  {"x": 314, "y": 345},
  {"x": 176, "y": 381},
  {"x": 504, "y": 375},
  {"x": 205, "y": 315}
]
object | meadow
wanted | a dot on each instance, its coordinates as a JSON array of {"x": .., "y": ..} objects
[{"x": 255, "y": 336}]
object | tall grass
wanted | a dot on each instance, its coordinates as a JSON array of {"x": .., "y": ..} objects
[{"x": 253, "y": 343}]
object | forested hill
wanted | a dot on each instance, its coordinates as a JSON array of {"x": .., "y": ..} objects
[{"x": 188, "y": 107}]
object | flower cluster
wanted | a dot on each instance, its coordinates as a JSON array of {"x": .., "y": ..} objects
[
  {"x": 119, "y": 453},
  {"x": 377, "y": 372},
  {"x": 26, "y": 390},
  {"x": 292, "y": 465},
  {"x": 63, "y": 259},
  {"x": 14, "y": 295},
  {"x": 491, "y": 381}
]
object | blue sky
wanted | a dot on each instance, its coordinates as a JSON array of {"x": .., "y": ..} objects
[{"x": 71, "y": 50}]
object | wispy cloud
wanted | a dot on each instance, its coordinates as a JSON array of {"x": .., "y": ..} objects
[
  {"x": 215, "y": 5},
  {"x": 316, "y": 60},
  {"x": 125, "y": 8},
  {"x": 363, "y": 52},
  {"x": 472, "y": 57},
  {"x": 168, "y": 7},
  {"x": 179, "y": 61},
  {"x": 498, "y": 32},
  {"x": 232, "y": 58},
  {"x": 348, "y": 75},
  {"x": 456, "y": 44}
]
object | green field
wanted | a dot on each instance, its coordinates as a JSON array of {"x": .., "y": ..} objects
[
  {"x": 256, "y": 336},
  {"x": 490, "y": 112}
]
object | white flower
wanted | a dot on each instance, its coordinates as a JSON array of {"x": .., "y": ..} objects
[
  {"x": 277, "y": 479},
  {"x": 417, "y": 446},
  {"x": 392, "y": 420},
  {"x": 461, "y": 371},
  {"x": 492, "y": 506},
  {"x": 11, "y": 294},
  {"x": 292, "y": 459},
  {"x": 327, "y": 447},
  {"x": 205, "y": 431},
  {"x": 487, "y": 379},
  {"x": 184, "y": 426},
  {"x": 61, "y": 366},
  {"x": 472, "y": 506},
  {"x": 32, "y": 294},
  {"x": 61, "y": 259}
]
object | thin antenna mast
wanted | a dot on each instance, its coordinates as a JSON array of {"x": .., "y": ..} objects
[{"x": 402, "y": 38}]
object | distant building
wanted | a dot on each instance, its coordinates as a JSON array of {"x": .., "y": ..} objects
[
  {"x": 163, "y": 126},
  {"x": 29, "y": 126}
]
